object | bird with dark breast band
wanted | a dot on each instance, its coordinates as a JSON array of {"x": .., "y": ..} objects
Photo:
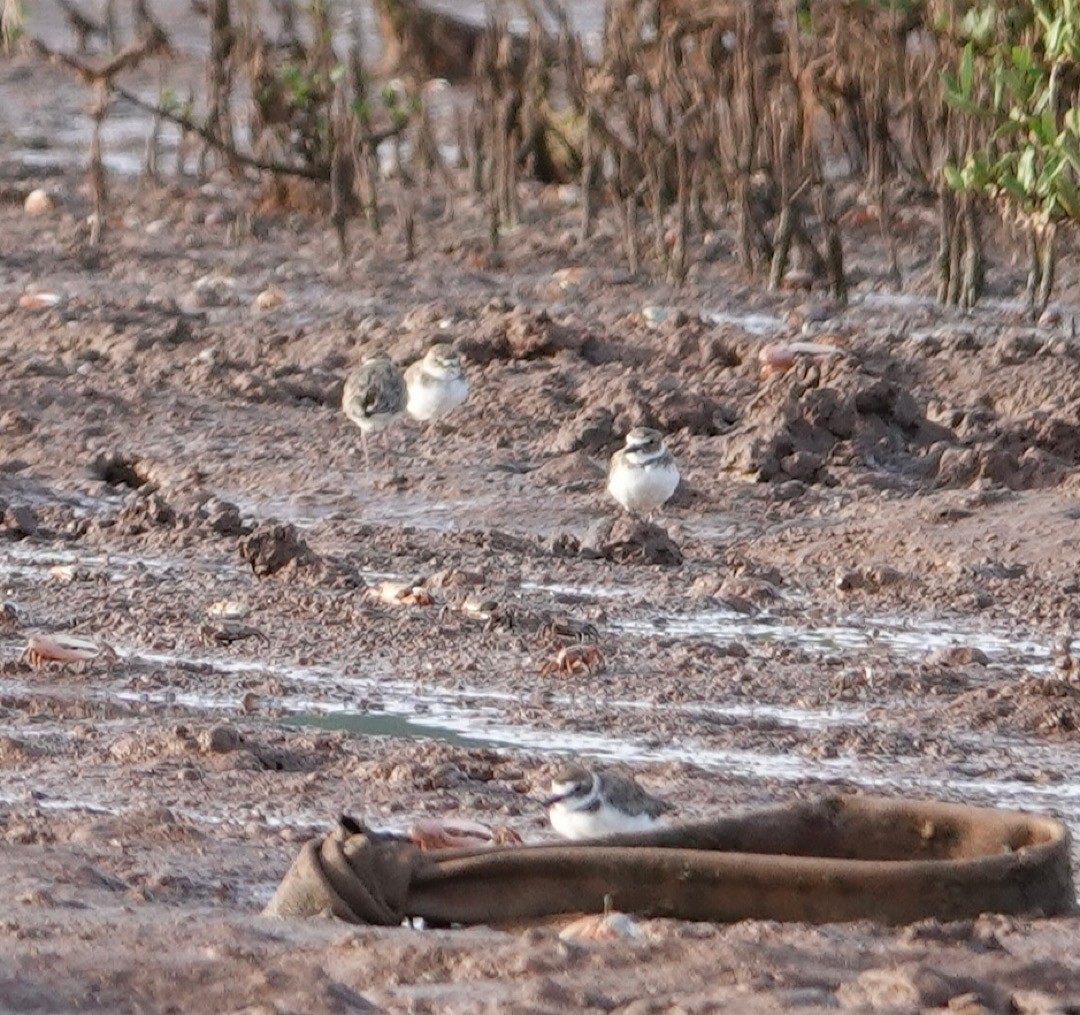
[
  {"x": 585, "y": 804},
  {"x": 374, "y": 397}
]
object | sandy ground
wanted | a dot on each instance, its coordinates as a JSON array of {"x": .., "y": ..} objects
[{"x": 866, "y": 581}]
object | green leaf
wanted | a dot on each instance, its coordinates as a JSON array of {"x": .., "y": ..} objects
[
  {"x": 1049, "y": 126},
  {"x": 1013, "y": 186},
  {"x": 967, "y": 70},
  {"x": 1025, "y": 169},
  {"x": 953, "y": 177},
  {"x": 1068, "y": 195},
  {"x": 1008, "y": 129},
  {"x": 1069, "y": 146}
]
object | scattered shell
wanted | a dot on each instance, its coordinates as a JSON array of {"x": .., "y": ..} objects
[
  {"x": 569, "y": 194},
  {"x": 394, "y": 593},
  {"x": 227, "y": 609},
  {"x": 780, "y": 357},
  {"x": 269, "y": 299},
  {"x": 569, "y": 281},
  {"x": 655, "y": 315},
  {"x": 71, "y": 573},
  {"x": 215, "y": 291},
  {"x": 798, "y": 278},
  {"x": 1051, "y": 317},
  {"x": 40, "y": 300},
  {"x": 601, "y": 927},
  {"x": 64, "y": 648},
  {"x": 478, "y": 607},
  {"x": 459, "y": 833},
  {"x": 39, "y": 202}
]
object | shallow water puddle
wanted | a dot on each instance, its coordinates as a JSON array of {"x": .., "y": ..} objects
[
  {"x": 20, "y": 561},
  {"x": 754, "y": 324},
  {"x": 911, "y": 638}
]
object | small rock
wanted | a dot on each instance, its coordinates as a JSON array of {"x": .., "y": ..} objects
[
  {"x": 656, "y": 316},
  {"x": 803, "y": 465},
  {"x": 269, "y": 299},
  {"x": 21, "y": 520},
  {"x": 454, "y": 578},
  {"x": 446, "y": 776},
  {"x": 140, "y": 513},
  {"x": 272, "y": 546},
  {"x": 215, "y": 291},
  {"x": 866, "y": 578},
  {"x": 792, "y": 489},
  {"x": 220, "y": 740},
  {"x": 223, "y": 517},
  {"x": 634, "y": 541},
  {"x": 798, "y": 278},
  {"x": 15, "y": 422},
  {"x": 592, "y": 430},
  {"x": 41, "y": 300},
  {"x": 958, "y": 655},
  {"x": 39, "y": 202}
]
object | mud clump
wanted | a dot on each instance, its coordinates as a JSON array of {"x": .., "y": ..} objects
[
  {"x": 1037, "y": 451},
  {"x": 1039, "y": 705},
  {"x": 221, "y": 517},
  {"x": 273, "y": 546},
  {"x": 19, "y": 520},
  {"x": 664, "y": 403},
  {"x": 854, "y": 420},
  {"x": 518, "y": 335},
  {"x": 592, "y": 430},
  {"x": 866, "y": 578},
  {"x": 632, "y": 541},
  {"x": 119, "y": 469},
  {"x": 141, "y": 513}
]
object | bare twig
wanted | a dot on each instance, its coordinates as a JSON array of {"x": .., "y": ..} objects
[{"x": 123, "y": 61}]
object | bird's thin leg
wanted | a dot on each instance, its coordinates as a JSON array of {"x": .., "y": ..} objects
[
  {"x": 385, "y": 449},
  {"x": 367, "y": 454}
]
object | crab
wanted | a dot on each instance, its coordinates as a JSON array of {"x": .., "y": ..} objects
[
  {"x": 9, "y": 615},
  {"x": 225, "y": 632},
  {"x": 570, "y": 628},
  {"x": 573, "y": 660},
  {"x": 42, "y": 649}
]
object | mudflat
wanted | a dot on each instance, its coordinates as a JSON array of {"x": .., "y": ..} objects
[{"x": 867, "y": 580}]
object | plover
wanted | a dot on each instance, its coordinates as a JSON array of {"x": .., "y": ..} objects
[
  {"x": 585, "y": 804},
  {"x": 374, "y": 396},
  {"x": 643, "y": 474},
  {"x": 436, "y": 383}
]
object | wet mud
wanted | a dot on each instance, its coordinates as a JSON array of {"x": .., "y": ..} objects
[{"x": 867, "y": 580}]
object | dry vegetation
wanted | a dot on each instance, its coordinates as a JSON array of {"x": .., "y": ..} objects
[{"x": 693, "y": 113}]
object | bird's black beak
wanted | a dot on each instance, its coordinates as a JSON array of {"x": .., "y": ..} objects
[{"x": 552, "y": 800}]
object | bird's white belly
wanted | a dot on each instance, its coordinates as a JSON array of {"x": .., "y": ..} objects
[
  {"x": 643, "y": 489},
  {"x": 572, "y": 824},
  {"x": 429, "y": 401}
]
